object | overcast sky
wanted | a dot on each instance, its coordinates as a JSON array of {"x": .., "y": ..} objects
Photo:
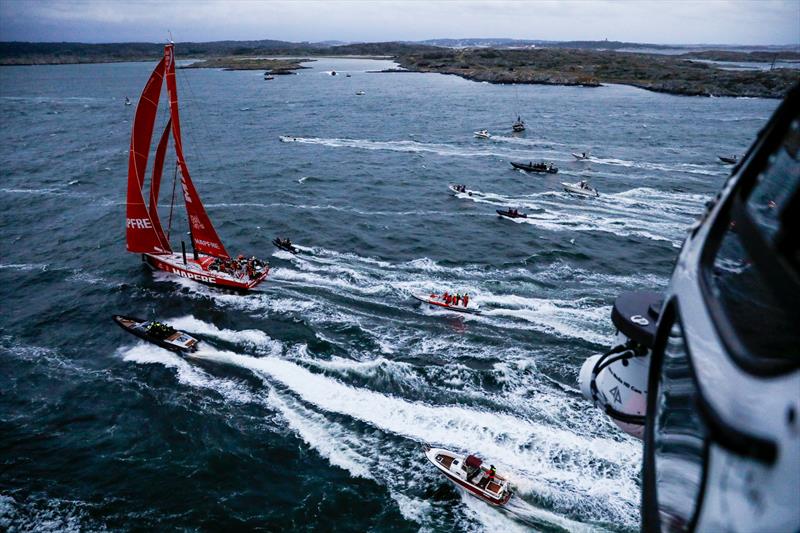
[{"x": 670, "y": 22}]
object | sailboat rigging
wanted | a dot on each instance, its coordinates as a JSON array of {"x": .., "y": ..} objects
[{"x": 210, "y": 262}]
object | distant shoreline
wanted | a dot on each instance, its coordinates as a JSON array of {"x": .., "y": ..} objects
[
  {"x": 688, "y": 74},
  {"x": 593, "y": 68}
]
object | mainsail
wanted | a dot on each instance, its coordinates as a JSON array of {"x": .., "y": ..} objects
[
  {"x": 204, "y": 236},
  {"x": 142, "y": 233}
]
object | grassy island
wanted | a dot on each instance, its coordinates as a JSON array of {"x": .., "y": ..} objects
[{"x": 273, "y": 66}]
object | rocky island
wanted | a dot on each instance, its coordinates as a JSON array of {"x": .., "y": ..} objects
[
  {"x": 273, "y": 66},
  {"x": 592, "y": 68}
]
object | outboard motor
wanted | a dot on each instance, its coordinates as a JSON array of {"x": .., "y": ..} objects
[{"x": 616, "y": 381}]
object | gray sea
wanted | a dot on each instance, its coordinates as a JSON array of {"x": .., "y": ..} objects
[{"x": 310, "y": 400}]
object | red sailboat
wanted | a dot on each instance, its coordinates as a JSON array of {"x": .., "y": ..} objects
[{"x": 209, "y": 262}]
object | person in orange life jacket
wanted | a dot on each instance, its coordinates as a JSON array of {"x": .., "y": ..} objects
[
  {"x": 466, "y": 299},
  {"x": 445, "y": 296}
]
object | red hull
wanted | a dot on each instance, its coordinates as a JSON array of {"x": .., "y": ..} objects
[{"x": 194, "y": 271}]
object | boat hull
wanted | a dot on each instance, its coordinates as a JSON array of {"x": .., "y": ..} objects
[
  {"x": 173, "y": 263},
  {"x": 505, "y": 214},
  {"x": 436, "y": 303},
  {"x": 530, "y": 168},
  {"x": 457, "y": 192},
  {"x": 484, "y": 495},
  {"x": 589, "y": 193},
  {"x": 290, "y": 249},
  {"x": 580, "y": 157},
  {"x": 123, "y": 321}
]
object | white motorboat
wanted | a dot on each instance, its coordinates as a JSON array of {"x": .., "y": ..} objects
[
  {"x": 483, "y": 134},
  {"x": 459, "y": 189},
  {"x": 581, "y": 188},
  {"x": 360, "y": 93},
  {"x": 471, "y": 474},
  {"x": 581, "y": 157}
]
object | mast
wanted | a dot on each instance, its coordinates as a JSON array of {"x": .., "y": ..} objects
[{"x": 204, "y": 235}]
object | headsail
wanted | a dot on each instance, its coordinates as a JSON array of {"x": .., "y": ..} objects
[
  {"x": 204, "y": 235},
  {"x": 155, "y": 185},
  {"x": 142, "y": 234}
]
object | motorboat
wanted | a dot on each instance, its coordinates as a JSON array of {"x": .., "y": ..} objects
[
  {"x": 519, "y": 125},
  {"x": 268, "y": 76},
  {"x": 471, "y": 474},
  {"x": 347, "y": 76},
  {"x": 287, "y": 138},
  {"x": 128, "y": 101},
  {"x": 511, "y": 213},
  {"x": 285, "y": 244},
  {"x": 581, "y": 188},
  {"x": 158, "y": 333},
  {"x": 483, "y": 134},
  {"x": 459, "y": 189},
  {"x": 728, "y": 160},
  {"x": 360, "y": 93},
  {"x": 438, "y": 300},
  {"x": 581, "y": 157},
  {"x": 535, "y": 167}
]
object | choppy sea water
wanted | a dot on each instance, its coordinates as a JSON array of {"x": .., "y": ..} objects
[{"x": 309, "y": 403}]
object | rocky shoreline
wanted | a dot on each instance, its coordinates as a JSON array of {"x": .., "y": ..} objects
[{"x": 593, "y": 68}]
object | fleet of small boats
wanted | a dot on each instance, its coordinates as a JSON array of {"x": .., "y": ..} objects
[{"x": 211, "y": 264}]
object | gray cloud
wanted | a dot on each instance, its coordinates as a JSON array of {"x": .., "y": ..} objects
[{"x": 676, "y": 21}]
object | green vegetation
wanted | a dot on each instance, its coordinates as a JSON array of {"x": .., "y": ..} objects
[{"x": 273, "y": 66}]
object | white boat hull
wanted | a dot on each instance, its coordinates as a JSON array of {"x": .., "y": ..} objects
[
  {"x": 573, "y": 189},
  {"x": 495, "y": 492},
  {"x": 194, "y": 270}
]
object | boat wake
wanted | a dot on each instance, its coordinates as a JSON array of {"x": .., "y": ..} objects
[
  {"x": 641, "y": 212},
  {"x": 533, "y": 150}
]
